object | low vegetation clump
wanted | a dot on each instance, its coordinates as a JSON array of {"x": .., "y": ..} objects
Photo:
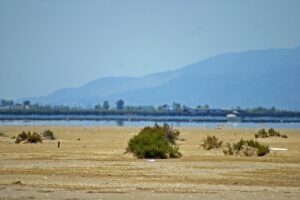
[
  {"x": 211, "y": 142},
  {"x": 2, "y": 135},
  {"x": 246, "y": 148},
  {"x": 28, "y": 137},
  {"x": 155, "y": 142},
  {"x": 48, "y": 134},
  {"x": 262, "y": 133}
]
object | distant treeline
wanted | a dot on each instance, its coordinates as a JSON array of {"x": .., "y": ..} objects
[{"x": 26, "y": 108}]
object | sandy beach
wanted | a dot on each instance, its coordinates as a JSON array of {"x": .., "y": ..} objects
[{"x": 91, "y": 164}]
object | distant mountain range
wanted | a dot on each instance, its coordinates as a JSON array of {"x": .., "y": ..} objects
[{"x": 247, "y": 79}]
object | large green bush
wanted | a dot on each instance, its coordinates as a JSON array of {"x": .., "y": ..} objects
[{"x": 155, "y": 142}]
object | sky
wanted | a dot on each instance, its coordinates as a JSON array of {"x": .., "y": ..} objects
[{"x": 46, "y": 45}]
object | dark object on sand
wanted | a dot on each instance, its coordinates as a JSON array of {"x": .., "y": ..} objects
[
  {"x": 58, "y": 144},
  {"x": 47, "y": 134},
  {"x": 17, "y": 183},
  {"x": 2, "y": 135}
]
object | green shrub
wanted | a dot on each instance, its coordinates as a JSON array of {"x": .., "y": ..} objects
[
  {"x": 246, "y": 148},
  {"x": 273, "y": 132},
  {"x": 47, "y": 134},
  {"x": 261, "y": 149},
  {"x": 262, "y": 133},
  {"x": 153, "y": 142},
  {"x": 28, "y": 137},
  {"x": 211, "y": 142}
]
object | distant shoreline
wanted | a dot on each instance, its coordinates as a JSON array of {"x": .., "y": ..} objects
[{"x": 154, "y": 118}]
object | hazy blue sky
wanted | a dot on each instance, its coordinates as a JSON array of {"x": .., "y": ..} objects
[{"x": 50, "y": 44}]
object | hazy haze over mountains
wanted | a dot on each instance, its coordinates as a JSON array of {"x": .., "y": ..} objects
[
  {"x": 247, "y": 79},
  {"x": 48, "y": 45}
]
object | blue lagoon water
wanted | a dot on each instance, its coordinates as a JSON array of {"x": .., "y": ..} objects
[{"x": 142, "y": 123}]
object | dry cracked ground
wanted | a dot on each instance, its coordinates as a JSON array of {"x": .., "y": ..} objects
[{"x": 91, "y": 164}]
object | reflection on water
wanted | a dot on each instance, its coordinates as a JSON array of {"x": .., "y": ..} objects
[
  {"x": 120, "y": 122},
  {"x": 144, "y": 123}
]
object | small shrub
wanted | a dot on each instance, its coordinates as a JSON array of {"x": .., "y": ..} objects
[
  {"x": 261, "y": 149},
  {"x": 21, "y": 137},
  {"x": 28, "y": 137},
  {"x": 211, "y": 142},
  {"x": 2, "y": 135},
  {"x": 273, "y": 132},
  {"x": 228, "y": 149},
  {"x": 18, "y": 140},
  {"x": 246, "y": 148},
  {"x": 34, "y": 138},
  {"x": 47, "y": 134},
  {"x": 262, "y": 133},
  {"x": 153, "y": 142}
]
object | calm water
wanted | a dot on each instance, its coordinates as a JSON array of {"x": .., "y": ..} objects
[{"x": 144, "y": 123}]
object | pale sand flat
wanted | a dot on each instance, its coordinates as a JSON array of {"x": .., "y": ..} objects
[{"x": 95, "y": 167}]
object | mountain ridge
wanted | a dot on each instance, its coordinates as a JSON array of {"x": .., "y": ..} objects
[{"x": 251, "y": 78}]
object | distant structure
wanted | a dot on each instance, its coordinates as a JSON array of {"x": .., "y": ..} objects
[{"x": 233, "y": 117}]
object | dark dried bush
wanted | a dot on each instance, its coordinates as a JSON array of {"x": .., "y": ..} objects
[
  {"x": 48, "y": 134},
  {"x": 28, "y": 137}
]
